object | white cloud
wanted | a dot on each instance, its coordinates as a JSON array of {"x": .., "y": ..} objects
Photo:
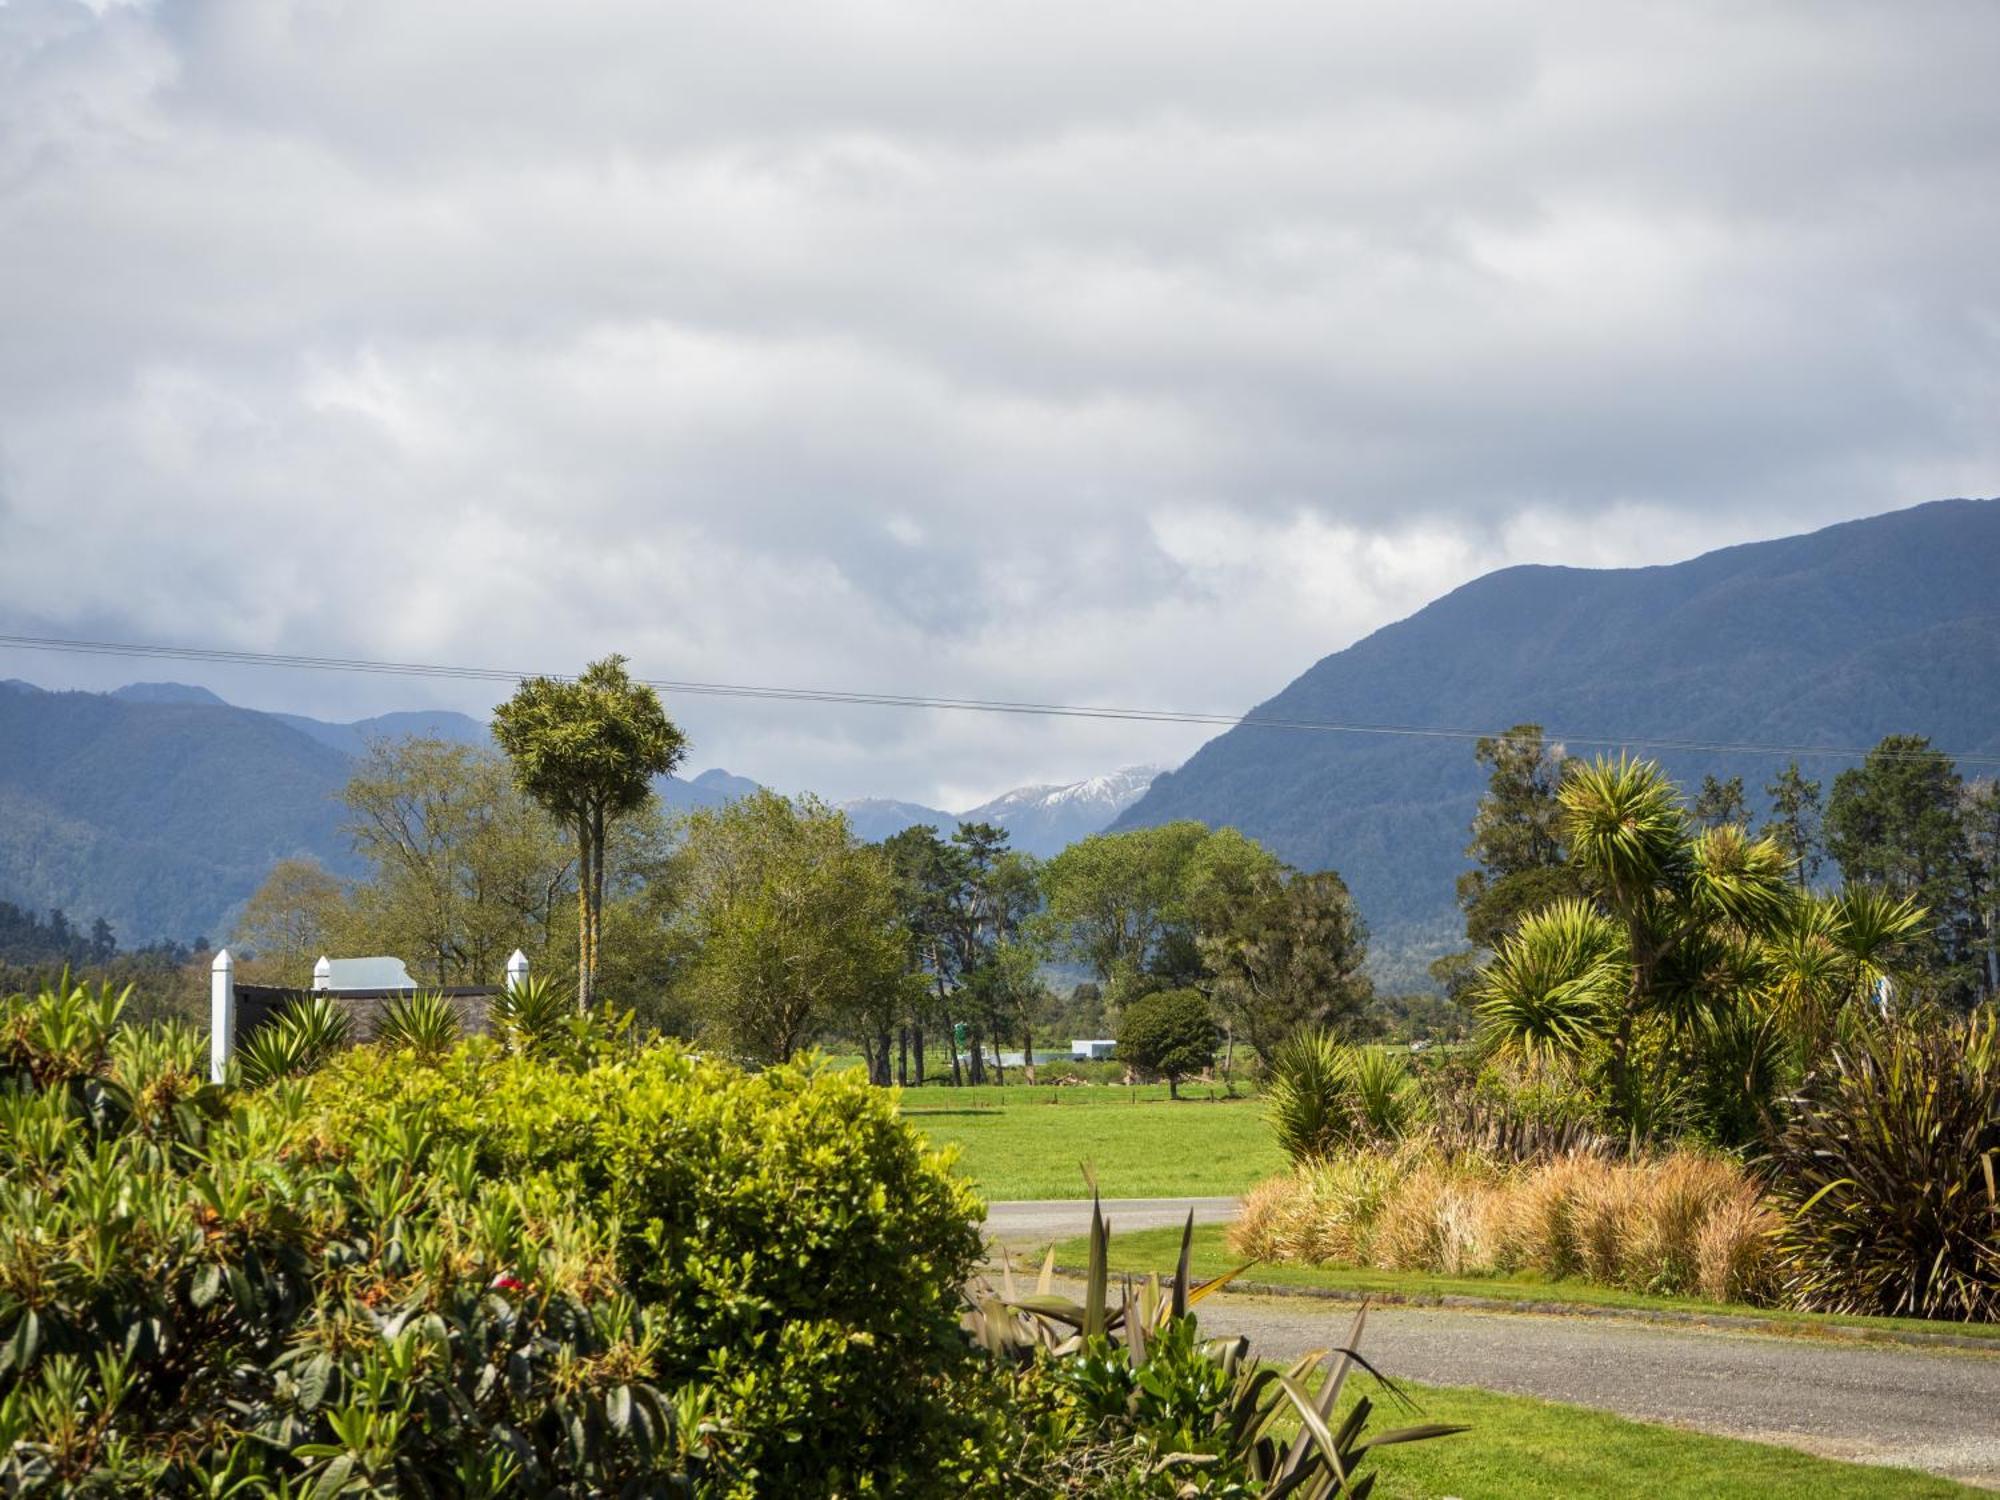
[{"x": 1131, "y": 354}]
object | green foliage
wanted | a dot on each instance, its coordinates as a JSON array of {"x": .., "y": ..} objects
[
  {"x": 1518, "y": 839},
  {"x": 425, "y": 1023},
  {"x": 1287, "y": 951},
  {"x": 1308, "y": 1095},
  {"x": 1555, "y": 987},
  {"x": 298, "y": 1039},
  {"x": 1322, "y": 1096},
  {"x": 792, "y": 926},
  {"x": 587, "y": 751},
  {"x": 650, "y": 1275},
  {"x": 1795, "y": 822},
  {"x": 531, "y": 1015},
  {"x": 1169, "y": 1033},
  {"x": 1886, "y": 1172},
  {"x": 1720, "y": 803},
  {"x": 1896, "y": 822},
  {"x": 1678, "y": 935},
  {"x": 1123, "y": 1398}
]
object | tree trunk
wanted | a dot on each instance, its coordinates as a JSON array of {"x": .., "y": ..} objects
[
  {"x": 596, "y": 893},
  {"x": 975, "y": 1051},
  {"x": 582, "y": 913},
  {"x": 902, "y": 1057},
  {"x": 882, "y": 1056},
  {"x": 917, "y": 1047},
  {"x": 999, "y": 1067},
  {"x": 1027, "y": 1052}
]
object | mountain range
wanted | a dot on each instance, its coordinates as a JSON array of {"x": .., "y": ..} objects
[
  {"x": 1813, "y": 644},
  {"x": 161, "y": 807},
  {"x": 1041, "y": 820}
]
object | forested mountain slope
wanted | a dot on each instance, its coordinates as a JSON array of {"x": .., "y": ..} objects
[{"x": 1831, "y": 639}]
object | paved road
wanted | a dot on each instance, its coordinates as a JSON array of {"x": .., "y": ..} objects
[
  {"x": 1916, "y": 1408},
  {"x": 1033, "y": 1224}
]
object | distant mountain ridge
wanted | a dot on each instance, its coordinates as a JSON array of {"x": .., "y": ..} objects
[
  {"x": 160, "y": 807},
  {"x": 1831, "y": 639},
  {"x": 1041, "y": 820}
]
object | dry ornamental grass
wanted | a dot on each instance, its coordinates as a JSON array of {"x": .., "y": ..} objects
[{"x": 1683, "y": 1224}]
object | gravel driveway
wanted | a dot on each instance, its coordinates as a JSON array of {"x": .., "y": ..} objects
[{"x": 1915, "y": 1408}]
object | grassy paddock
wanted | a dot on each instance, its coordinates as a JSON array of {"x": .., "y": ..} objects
[
  {"x": 1523, "y": 1449},
  {"x": 1146, "y": 1250},
  {"x": 1021, "y": 1142}
]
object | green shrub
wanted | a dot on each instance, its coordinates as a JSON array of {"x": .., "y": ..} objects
[
  {"x": 624, "y": 1273},
  {"x": 1169, "y": 1033},
  {"x": 1885, "y": 1172},
  {"x": 425, "y": 1023},
  {"x": 297, "y": 1040},
  {"x": 1121, "y": 1397},
  {"x": 1323, "y": 1095},
  {"x": 1309, "y": 1095}
]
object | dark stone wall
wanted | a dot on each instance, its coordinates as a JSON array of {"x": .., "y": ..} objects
[{"x": 258, "y": 1004}]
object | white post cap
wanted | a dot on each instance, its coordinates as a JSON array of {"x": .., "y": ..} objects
[
  {"x": 223, "y": 964},
  {"x": 323, "y": 973},
  {"x": 517, "y": 969}
]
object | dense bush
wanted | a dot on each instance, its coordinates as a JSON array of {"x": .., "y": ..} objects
[
  {"x": 1323, "y": 1095},
  {"x": 632, "y": 1272},
  {"x": 1684, "y": 1224},
  {"x": 1169, "y": 1033},
  {"x": 1886, "y": 1172}
]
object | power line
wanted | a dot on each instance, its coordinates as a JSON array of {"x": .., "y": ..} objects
[{"x": 767, "y": 692}]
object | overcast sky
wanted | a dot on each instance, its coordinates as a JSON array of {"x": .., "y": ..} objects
[{"x": 1119, "y": 353}]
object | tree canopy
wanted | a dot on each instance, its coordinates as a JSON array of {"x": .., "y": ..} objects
[{"x": 588, "y": 751}]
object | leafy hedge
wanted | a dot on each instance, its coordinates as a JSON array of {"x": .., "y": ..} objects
[{"x": 623, "y": 1273}]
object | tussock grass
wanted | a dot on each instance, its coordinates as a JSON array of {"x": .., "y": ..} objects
[{"x": 1683, "y": 1224}]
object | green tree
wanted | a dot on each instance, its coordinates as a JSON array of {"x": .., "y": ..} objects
[
  {"x": 588, "y": 751},
  {"x": 1982, "y": 842},
  {"x": 1668, "y": 944},
  {"x": 1795, "y": 821},
  {"x": 791, "y": 927},
  {"x": 297, "y": 914},
  {"x": 1133, "y": 906},
  {"x": 929, "y": 874},
  {"x": 1897, "y": 821},
  {"x": 1110, "y": 899},
  {"x": 463, "y": 867},
  {"x": 1288, "y": 955},
  {"x": 1169, "y": 1033},
  {"x": 1720, "y": 802},
  {"x": 1517, "y": 835}
]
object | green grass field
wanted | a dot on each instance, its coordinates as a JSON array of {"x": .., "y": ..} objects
[
  {"x": 1021, "y": 1142},
  {"x": 1146, "y": 1250},
  {"x": 1523, "y": 1449}
]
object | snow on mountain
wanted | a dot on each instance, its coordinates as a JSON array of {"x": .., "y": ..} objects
[{"x": 1042, "y": 820}]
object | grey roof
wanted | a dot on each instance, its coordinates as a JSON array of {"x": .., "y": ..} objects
[{"x": 368, "y": 974}]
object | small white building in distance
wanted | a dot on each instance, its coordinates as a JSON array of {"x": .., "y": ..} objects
[{"x": 1092, "y": 1051}]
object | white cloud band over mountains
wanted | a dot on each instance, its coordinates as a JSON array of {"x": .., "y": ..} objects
[{"x": 1125, "y": 353}]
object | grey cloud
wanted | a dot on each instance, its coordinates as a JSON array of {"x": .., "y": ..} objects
[{"x": 1127, "y": 353}]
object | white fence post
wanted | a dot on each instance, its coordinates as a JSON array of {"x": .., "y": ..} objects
[
  {"x": 323, "y": 973},
  {"x": 517, "y": 971},
  {"x": 221, "y": 1014}
]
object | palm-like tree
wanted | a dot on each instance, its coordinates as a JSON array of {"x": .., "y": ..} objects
[
  {"x": 1832, "y": 952},
  {"x": 1674, "y": 935}
]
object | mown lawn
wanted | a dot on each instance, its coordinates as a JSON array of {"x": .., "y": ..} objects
[
  {"x": 1020, "y": 1142},
  {"x": 1144, "y": 1250},
  {"x": 1523, "y": 1449}
]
